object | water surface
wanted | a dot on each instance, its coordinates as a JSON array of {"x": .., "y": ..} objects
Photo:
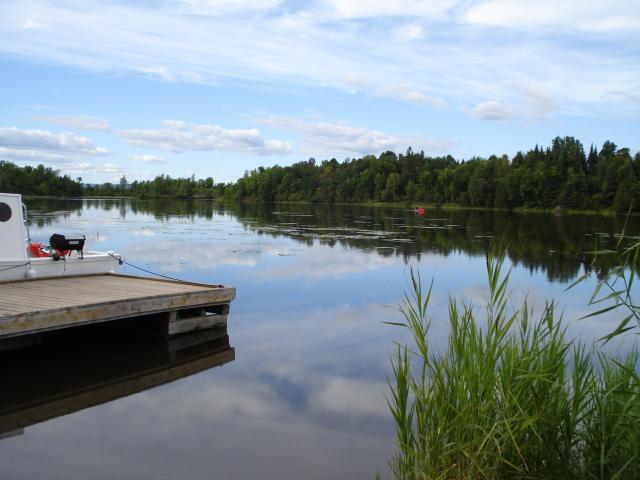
[{"x": 303, "y": 396}]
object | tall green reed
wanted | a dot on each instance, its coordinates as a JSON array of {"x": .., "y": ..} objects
[
  {"x": 614, "y": 290},
  {"x": 509, "y": 397}
]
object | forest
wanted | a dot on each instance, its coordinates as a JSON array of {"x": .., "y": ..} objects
[
  {"x": 561, "y": 175},
  {"x": 37, "y": 181}
]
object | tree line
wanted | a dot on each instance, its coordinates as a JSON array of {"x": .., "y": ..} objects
[
  {"x": 37, "y": 181},
  {"x": 561, "y": 175},
  {"x": 161, "y": 186}
]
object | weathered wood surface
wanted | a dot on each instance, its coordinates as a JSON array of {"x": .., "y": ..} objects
[{"x": 32, "y": 306}]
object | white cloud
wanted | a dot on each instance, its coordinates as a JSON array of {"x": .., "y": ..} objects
[
  {"x": 37, "y": 107},
  {"x": 67, "y": 164},
  {"x": 66, "y": 151},
  {"x": 527, "y": 102},
  {"x": 491, "y": 110},
  {"x": 305, "y": 265},
  {"x": 326, "y": 262},
  {"x": 12, "y": 137},
  {"x": 594, "y": 15},
  {"x": 175, "y": 124},
  {"x": 356, "y": 83},
  {"x": 206, "y": 255},
  {"x": 178, "y": 137},
  {"x": 409, "y": 32},
  {"x": 356, "y": 80},
  {"x": 324, "y": 138},
  {"x": 30, "y": 24},
  {"x": 455, "y": 55},
  {"x": 352, "y": 396},
  {"x": 625, "y": 95},
  {"x": 32, "y": 156},
  {"x": 81, "y": 122},
  {"x": 148, "y": 159},
  {"x": 538, "y": 103},
  {"x": 80, "y": 168},
  {"x": 42, "y": 146},
  {"x": 222, "y": 7},
  {"x": 405, "y": 92},
  {"x": 374, "y": 8},
  {"x": 108, "y": 168}
]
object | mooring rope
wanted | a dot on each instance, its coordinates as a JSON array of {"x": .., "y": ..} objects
[
  {"x": 121, "y": 261},
  {"x": 14, "y": 266}
]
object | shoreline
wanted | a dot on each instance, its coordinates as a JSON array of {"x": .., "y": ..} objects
[{"x": 399, "y": 204}]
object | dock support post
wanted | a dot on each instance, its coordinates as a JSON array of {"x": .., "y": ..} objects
[{"x": 192, "y": 319}]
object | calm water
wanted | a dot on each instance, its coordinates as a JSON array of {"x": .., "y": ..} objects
[{"x": 303, "y": 396}]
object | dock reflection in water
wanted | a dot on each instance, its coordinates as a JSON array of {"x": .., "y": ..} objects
[{"x": 73, "y": 370}]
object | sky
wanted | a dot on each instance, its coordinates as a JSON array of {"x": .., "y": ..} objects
[{"x": 101, "y": 89}]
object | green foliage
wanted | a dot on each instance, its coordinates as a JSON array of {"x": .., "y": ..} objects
[
  {"x": 161, "y": 186},
  {"x": 614, "y": 290},
  {"x": 509, "y": 397},
  {"x": 559, "y": 176},
  {"x": 40, "y": 180}
]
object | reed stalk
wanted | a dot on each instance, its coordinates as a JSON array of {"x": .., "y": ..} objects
[{"x": 510, "y": 397}]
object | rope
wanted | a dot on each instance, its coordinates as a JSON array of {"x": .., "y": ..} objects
[
  {"x": 120, "y": 261},
  {"x": 14, "y": 266}
]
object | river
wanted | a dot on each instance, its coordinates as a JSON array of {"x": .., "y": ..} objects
[{"x": 304, "y": 397}]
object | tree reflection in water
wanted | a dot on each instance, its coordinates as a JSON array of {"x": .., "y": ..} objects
[{"x": 557, "y": 245}]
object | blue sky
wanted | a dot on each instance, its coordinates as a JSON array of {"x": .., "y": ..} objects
[{"x": 217, "y": 87}]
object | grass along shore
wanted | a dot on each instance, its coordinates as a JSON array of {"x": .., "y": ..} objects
[{"x": 510, "y": 397}]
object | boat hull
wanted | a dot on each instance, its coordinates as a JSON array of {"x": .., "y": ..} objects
[{"x": 93, "y": 262}]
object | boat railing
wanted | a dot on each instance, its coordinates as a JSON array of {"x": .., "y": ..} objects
[{"x": 26, "y": 223}]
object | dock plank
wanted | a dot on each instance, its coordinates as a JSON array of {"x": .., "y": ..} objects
[{"x": 31, "y": 306}]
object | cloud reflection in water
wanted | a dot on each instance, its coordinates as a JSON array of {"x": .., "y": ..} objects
[{"x": 305, "y": 396}]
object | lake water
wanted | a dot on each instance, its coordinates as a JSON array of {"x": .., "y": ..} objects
[{"x": 304, "y": 397}]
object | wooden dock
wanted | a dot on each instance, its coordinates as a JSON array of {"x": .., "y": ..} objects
[{"x": 39, "y": 305}]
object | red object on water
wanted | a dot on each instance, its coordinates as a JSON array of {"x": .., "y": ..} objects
[{"x": 420, "y": 211}]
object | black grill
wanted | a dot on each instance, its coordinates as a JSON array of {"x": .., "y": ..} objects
[{"x": 67, "y": 242}]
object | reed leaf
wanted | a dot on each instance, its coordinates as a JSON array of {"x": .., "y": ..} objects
[{"x": 509, "y": 397}]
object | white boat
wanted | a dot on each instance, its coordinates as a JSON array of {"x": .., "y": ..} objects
[{"x": 21, "y": 259}]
